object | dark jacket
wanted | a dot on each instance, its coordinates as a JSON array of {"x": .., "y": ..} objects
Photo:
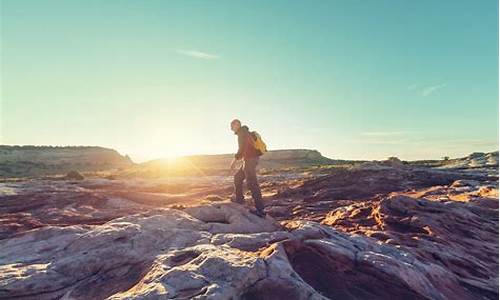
[{"x": 246, "y": 148}]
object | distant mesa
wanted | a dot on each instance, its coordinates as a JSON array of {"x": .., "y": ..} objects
[
  {"x": 33, "y": 161},
  {"x": 27, "y": 161},
  {"x": 391, "y": 162},
  {"x": 218, "y": 164},
  {"x": 36, "y": 161}
]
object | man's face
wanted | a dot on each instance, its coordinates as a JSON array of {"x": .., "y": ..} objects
[{"x": 235, "y": 126}]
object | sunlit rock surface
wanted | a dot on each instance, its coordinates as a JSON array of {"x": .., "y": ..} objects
[{"x": 375, "y": 231}]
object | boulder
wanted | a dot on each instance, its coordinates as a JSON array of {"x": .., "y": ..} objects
[{"x": 74, "y": 175}]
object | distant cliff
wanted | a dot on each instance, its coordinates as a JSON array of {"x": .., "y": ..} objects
[
  {"x": 219, "y": 163},
  {"x": 271, "y": 159},
  {"x": 22, "y": 161}
]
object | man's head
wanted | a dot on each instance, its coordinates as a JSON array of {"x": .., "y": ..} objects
[{"x": 235, "y": 125}]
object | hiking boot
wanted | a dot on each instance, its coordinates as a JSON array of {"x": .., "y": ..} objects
[{"x": 259, "y": 213}]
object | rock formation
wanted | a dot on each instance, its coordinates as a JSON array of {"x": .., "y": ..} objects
[
  {"x": 342, "y": 186},
  {"x": 474, "y": 160},
  {"x": 461, "y": 238},
  {"x": 27, "y": 161},
  {"x": 385, "y": 230},
  {"x": 218, "y": 164},
  {"x": 221, "y": 251}
]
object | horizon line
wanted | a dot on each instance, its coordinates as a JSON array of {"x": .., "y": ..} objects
[{"x": 135, "y": 161}]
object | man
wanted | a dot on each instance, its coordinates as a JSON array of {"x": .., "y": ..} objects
[{"x": 250, "y": 156}]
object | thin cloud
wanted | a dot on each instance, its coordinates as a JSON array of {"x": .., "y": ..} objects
[
  {"x": 471, "y": 142},
  {"x": 412, "y": 87},
  {"x": 385, "y": 133},
  {"x": 432, "y": 88},
  {"x": 197, "y": 54},
  {"x": 387, "y": 141}
]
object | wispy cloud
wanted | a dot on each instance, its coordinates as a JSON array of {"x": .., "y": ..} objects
[
  {"x": 386, "y": 141},
  {"x": 197, "y": 54},
  {"x": 412, "y": 87},
  {"x": 380, "y": 141},
  {"x": 426, "y": 91},
  {"x": 471, "y": 142},
  {"x": 386, "y": 133}
]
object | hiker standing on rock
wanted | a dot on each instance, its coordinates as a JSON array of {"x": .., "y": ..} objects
[{"x": 250, "y": 147}]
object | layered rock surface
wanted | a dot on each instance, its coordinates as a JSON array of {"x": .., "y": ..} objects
[
  {"x": 311, "y": 199},
  {"x": 459, "y": 237},
  {"x": 370, "y": 232},
  {"x": 221, "y": 251}
]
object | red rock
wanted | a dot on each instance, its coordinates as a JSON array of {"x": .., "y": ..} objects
[{"x": 461, "y": 237}]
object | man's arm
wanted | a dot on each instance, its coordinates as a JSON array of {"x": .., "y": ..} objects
[
  {"x": 233, "y": 164},
  {"x": 241, "y": 145},
  {"x": 239, "y": 154}
]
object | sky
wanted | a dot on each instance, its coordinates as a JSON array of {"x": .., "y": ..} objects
[{"x": 152, "y": 79}]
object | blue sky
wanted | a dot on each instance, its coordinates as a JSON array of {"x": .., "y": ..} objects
[{"x": 352, "y": 79}]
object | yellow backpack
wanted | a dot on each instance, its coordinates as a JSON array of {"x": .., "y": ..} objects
[{"x": 258, "y": 143}]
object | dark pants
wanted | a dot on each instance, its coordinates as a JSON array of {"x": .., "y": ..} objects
[{"x": 248, "y": 171}]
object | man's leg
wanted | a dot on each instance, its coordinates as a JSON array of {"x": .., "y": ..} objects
[
  {"x": 251, "y": 176},
  {"x": 238, "y": 186}
]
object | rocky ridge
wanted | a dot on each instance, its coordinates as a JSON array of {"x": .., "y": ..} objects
[{"x": 29, "y": 161}]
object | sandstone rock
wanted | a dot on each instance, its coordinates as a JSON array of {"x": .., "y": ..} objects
[
  {"x": 465, "y": 183},
  {"x": 198, "y": 272},
  {"x": 461, "y": 238},
  {"x": 172, "y": 254},
  {"x": 386, "y": 234},
  {"x": 68, "y": 260},
  {"x": 313, "y": 198},
  {"x": 231, "y": 217}
]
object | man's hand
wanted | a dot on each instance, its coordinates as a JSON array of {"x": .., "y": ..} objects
[{"x": 233, "y": 164}]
